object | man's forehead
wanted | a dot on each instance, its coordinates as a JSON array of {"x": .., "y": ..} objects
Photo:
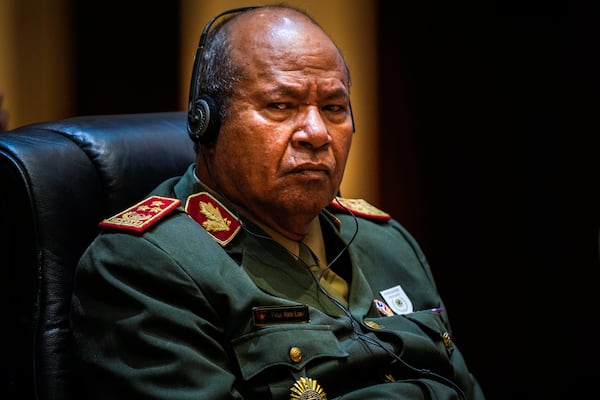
[{"x": 271, "y": 23}]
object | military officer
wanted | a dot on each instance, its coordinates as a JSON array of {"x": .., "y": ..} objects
[{"x": 248, "y": 276}]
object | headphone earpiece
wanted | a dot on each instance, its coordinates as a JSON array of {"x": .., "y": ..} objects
[
  {"x": 204, "y": 120},
  {"x": 204, "y": 116}
]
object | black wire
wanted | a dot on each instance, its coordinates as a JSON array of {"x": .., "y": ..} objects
[{"x": 353, "y": 322}]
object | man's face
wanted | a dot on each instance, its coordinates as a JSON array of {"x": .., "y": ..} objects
[{"x": 282, "y": 149}]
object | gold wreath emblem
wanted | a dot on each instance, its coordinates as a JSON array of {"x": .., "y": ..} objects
[
  {"x": 215, "y": 222},
  {"x": 307, "y": 389}
]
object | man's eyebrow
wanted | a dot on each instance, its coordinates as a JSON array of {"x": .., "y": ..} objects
[{"x": 283, "y": 91}]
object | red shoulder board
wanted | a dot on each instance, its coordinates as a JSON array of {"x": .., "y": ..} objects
[
  {"x": 221, "y": 224},
  {"x": 143, "y": 215},
  {"x": 360, "y": 208}
]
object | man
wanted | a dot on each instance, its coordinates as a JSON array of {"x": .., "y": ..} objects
[{"x": 247, "y": 277}]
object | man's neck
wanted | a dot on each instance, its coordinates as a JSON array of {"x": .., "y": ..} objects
[{"x": 295, "y": 229}]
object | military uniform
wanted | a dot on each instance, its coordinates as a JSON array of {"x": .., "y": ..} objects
[{"x": 176, "y": 306}]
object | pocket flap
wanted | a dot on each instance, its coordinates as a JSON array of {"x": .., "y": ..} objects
[{"x": 269, "y": 347}]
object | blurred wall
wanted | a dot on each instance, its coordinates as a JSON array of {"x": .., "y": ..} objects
[{"x": 36, "y": 63}]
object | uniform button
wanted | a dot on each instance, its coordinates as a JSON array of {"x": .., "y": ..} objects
[
  {"x": 295, "y": 354},
  {"x": 446, "y": 339},
  {"x": 372, "y": 324}
]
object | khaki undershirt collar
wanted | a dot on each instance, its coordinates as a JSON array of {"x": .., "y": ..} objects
[{"x": 313, "y": 240}]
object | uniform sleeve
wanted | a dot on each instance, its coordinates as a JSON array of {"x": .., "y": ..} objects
[
  {"x": 410, "y": 389},
  {"x": 463, "y": 377},
  {"x": 395, "y": 257},
  {"x": 138, "y": 323}
]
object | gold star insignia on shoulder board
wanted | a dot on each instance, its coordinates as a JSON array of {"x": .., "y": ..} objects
[
  {"x": 221, "y": 224},
  {"x": 142, "y": 215},
  {"x": 360, "y": 208}
]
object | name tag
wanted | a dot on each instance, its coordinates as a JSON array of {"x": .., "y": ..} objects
[{"x": 268, "y": 315}]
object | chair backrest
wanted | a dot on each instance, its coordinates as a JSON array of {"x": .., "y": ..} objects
[{"x": 58, "y": 180}]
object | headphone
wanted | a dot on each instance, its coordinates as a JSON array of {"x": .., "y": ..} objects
[{"x": 204, "y": 120}]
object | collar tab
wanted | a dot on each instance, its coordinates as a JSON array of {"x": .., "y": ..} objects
[{"x": 213, "y": 216}]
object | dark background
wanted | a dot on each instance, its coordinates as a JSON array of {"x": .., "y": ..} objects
[{"x": 487, "y": 156}]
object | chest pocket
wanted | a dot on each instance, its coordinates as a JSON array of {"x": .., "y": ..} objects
[
  {"x": 424, "y": 336},
  {"x": 290, "y": 346},
  {"x": 433, "y": 324}
]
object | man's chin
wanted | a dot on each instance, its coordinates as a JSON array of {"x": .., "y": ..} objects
[
  {"x": 309, "y": 198},
  {"x": 308, "y": 206}
]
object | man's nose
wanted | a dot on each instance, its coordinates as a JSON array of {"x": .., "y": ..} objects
[{"x": 313, "y": 131}]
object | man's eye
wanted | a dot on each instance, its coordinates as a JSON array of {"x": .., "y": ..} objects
[
  {"x": 279, "y": 106},
  {"x": 334, "y": 108}
]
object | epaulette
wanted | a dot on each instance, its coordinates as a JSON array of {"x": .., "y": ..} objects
[
  {"x": 214, "y": 217},
  {"x": 360, "y": 208},
  {"x": 142, "y": 215}
]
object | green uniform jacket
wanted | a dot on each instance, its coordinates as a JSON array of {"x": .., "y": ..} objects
[{"x": 168, "y": 314}]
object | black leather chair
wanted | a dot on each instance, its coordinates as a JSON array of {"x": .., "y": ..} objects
[{"x": 58, "y": 180}]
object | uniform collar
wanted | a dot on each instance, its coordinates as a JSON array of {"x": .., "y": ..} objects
[{"x": 314, "y": 238}]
